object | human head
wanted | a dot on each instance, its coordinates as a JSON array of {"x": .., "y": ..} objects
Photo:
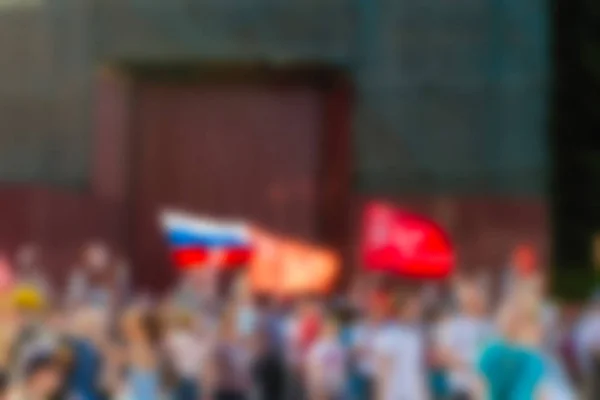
[
  {"x": 57, "y": 321},
  {"x": 307, "y": 309},
  {"x": 470, "y": 297},
  {"x": 330, "y": 328},
  {"x": 29, "y": 304},
  {"x": 88, "y": 323},
  {"x": 359, "y": 292},
  {"x": 381, "y": 305},
  {"x": 519, "y": 318},
  {"x": 96, "y": 257},
  {"x": 537, "y": 283},
  {"x": 43, "y": 374},
  {"x": 27, "y": 256},
  {"x": 140, "y": 325},
  {"x": 178, "y": 318},
  {"x": 409, "y": 305}
]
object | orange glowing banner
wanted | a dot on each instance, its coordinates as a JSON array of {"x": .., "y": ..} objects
[
  {"x": 264, "y": 271},
  {"x": 287, "y": 267}
]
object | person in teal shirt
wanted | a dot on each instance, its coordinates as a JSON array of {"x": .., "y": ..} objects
[
  {"x": 511, "y": 371},
  {"x": 513, "y": 366}
]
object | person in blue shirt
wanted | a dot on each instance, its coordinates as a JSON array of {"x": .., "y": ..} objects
[
  {"x": 141, "y": 332},
  {"x": 557, "y": 385},
  {"x": 81, "y": 353},
  {"x": 85, "y": 370}
]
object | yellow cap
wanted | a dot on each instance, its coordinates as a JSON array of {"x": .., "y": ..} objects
[{"x": 28, "y": 298}]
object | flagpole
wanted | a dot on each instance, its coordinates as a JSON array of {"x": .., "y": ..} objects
[{"x": 214, "y": 263}]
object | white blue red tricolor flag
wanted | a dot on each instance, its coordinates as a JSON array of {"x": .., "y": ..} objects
[{"x": 194, "y": 239}]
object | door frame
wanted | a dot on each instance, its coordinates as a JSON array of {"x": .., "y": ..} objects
[{"x": 116, "y": 136}]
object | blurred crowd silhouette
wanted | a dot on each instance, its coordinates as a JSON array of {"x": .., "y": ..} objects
[{"x": 382, "y": 340}]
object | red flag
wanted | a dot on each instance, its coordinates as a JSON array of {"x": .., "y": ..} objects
[{"x": 405, "y": 244}]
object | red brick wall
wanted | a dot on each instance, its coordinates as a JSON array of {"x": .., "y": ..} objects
[
  {"x": 60, "y": 221},
  {"x": 485, "y": 229}
]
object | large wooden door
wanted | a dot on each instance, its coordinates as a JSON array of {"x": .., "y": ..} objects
[{"x": 251, "y": 151}]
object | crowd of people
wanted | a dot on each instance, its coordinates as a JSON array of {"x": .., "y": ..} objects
[{"x": 379, "y": 340}]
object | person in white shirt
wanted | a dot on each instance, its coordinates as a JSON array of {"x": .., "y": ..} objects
[
  {"x": 326, "y": 362},
  {"x": 188, "y": 351},
  {"x": 363, "y": 348},
  {"x": 400, "y": 354},
  {"x": 376, "y": 311},
  {"x": 556, "y": 384},
  {"x": 586, "y": 338},
  {"x": 98, "y": 280},
  {"x": 461, "y": 337}
]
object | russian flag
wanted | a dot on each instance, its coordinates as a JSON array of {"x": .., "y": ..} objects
[{"x": 193, "y": 239}]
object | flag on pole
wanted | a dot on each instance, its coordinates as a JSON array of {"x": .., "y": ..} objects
[
  {"x": 195, "y": 240},
  {"x": 405, "y": 244}
]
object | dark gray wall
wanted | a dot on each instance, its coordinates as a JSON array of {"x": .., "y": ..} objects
[
  {"x": 44, "y": 92},
  {"x": 452, "y": 94}
]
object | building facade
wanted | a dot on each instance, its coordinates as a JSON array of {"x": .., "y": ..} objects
[{"x": 449, "y": 99}]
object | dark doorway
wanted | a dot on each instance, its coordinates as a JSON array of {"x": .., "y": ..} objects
[{"x": 239, "y": 145}]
